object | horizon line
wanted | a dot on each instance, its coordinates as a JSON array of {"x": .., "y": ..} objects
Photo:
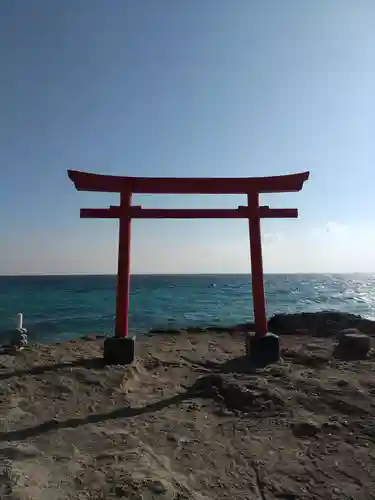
[{"x": 36, "y": 275}]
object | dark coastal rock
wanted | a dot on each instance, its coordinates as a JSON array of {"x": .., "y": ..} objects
[
  {"x": 171, "y": 331},
  {"x": 195, "y": 329},
  {"x": 323, "y": 324},
  {"x": 305, "y": 429},
  {"x": 243, "y": 327}
]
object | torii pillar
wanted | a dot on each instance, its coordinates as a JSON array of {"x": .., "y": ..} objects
[{"x": 123, "y": 267}]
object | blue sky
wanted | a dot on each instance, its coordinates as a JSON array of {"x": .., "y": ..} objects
[{"x": 195, "y": 88}]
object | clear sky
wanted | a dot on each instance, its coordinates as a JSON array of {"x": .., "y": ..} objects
[{"x": 187, "y": 88}]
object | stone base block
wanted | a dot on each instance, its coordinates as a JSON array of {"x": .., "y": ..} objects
[
  {"x": 352, "y": 345},
  {"x": 262, "y": 350},
  {"x": 119, "y": 350}
]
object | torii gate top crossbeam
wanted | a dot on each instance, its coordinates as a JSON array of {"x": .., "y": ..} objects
[{"x": 85, "y": 181}]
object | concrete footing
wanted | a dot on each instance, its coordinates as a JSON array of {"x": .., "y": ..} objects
[
  {"x": 347, "y": 331},
  {"x": 352, "y": 345},
  {"x": 262, "y": 350},
  {"x": 119, "y": 350}
]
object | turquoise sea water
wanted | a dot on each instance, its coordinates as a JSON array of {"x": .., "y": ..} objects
[{"x": 62, "y": 307}]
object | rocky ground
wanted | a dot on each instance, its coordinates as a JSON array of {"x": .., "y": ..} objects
[{"x": 189, "y": 420}]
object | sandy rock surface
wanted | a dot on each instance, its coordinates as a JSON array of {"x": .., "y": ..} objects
[{"x": 190, "y": 420}]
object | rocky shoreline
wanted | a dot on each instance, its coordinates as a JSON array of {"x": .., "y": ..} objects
[
  {"x": 321, "y": 324},
  {"x": 191, "y": 419}
]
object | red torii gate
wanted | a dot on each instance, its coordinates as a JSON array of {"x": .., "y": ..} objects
[{"x": 125, "y": 212}]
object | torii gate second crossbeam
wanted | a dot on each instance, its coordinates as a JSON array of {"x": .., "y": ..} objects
[{"x": 125, "y": 212}]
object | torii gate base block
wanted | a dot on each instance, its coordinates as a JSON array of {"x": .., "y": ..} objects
[
  {"x": 262, "y": 351},
  {"x": 119, "y": 350}
]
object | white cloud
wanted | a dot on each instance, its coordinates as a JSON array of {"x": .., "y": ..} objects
[
  {"x": 330, "y": 229},
  {"x": 336, "y": 228}
]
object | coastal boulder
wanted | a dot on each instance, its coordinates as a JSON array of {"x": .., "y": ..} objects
[
  {"x": 323, "y": 324},
  {"x": 307, "y": 429},
  {"x": 352, "y": 345}
]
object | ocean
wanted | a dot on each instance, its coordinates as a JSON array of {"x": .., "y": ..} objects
[{"x": 57, "y": 308}]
